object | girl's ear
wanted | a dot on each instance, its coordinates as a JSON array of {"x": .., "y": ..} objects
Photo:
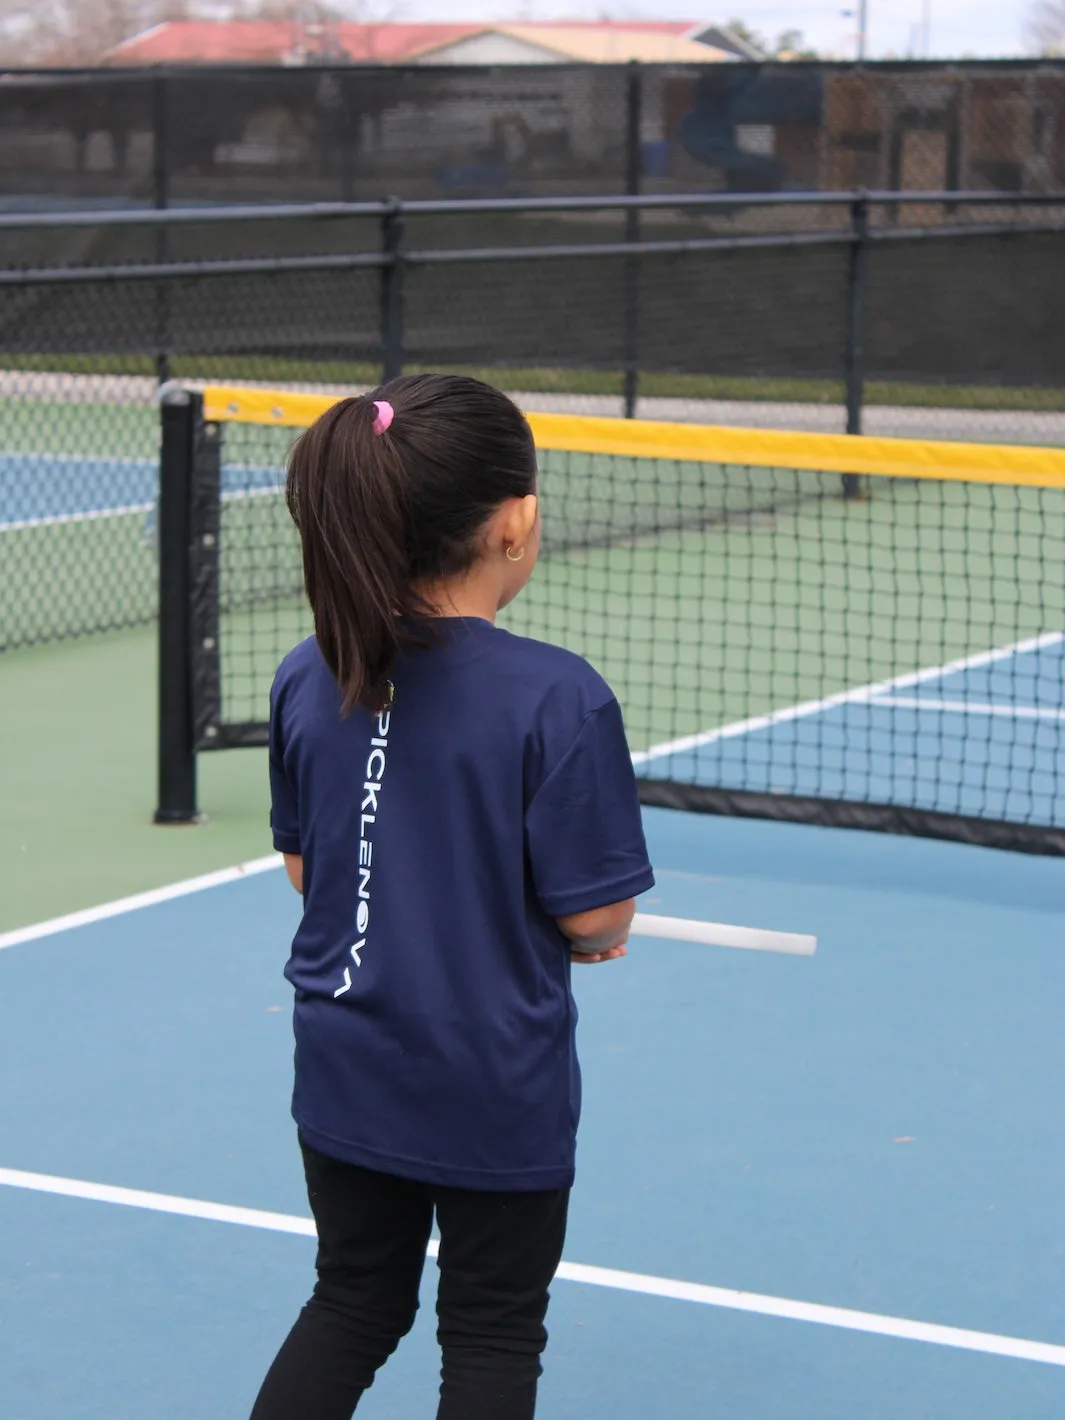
[{"x": 519, "y": 519}]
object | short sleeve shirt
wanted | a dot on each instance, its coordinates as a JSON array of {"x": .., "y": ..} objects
[{"x": 434, "y": 1020}]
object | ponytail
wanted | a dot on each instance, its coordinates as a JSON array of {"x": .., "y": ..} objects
[
  {"x": 352, "y": 529},
  {"x": 383, "y": 506}
]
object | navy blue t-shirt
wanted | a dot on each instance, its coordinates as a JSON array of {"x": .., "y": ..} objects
[{"x": 434, "y": 1018}]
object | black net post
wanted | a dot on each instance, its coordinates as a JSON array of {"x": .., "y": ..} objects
[
  {"x": 392, "y": 292},
  {"x": 161, "y": 200},
  {"x": 182, "y": 413},
  {"x": 633, "y": 184},
  {"x": 857, "y": 293}
]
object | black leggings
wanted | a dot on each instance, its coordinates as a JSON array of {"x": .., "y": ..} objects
[{"x": 498, "y": 1254}]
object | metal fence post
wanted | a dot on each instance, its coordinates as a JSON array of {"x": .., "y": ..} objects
[
  {"x": 392, "y": 292},
  {"x": 633, "y": 185},
  {"x": 181, "y": 412},
  {"x": 856, "y": 308},
  {"x": 349, "y": 133},
  {"x": 161, "y": 199}
]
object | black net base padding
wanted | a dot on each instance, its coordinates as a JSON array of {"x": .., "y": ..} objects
[
  {"x": 872, "y": 818},
  {"x": 249, "y": 735}
]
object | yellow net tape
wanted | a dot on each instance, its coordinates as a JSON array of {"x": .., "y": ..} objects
[{"x": 702, "y": 443}]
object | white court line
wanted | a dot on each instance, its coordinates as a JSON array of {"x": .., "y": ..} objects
[
  {"x": 25, "y": 456},
  {"x": 970, "y": 707},
  {"x": 138, "y": 900},
  {"x": 93, "y": 514},
  {"x": 62, "y": 519},
  {"x": 667, "y": 1287},
  {"x": 157, "y": 1202},
  {"x": 859, "y": 694},
  {"x": 675, "y": 928},
  {"x": 715, "y": 934}
]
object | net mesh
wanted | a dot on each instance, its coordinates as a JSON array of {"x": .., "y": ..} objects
[
  {"x": 79, "y": 460},
  {"x": 766, "y": 635}
]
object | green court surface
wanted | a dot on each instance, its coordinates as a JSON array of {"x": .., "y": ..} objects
[
  {"x": 77, "y": 752},
  {"x": 705, "y": 594},
  {"x": 71, "y": 578},
  {"x": 41, "y": 426},
  {"x": 77, "y": 764},
  {"x": 751, "y": 614}
]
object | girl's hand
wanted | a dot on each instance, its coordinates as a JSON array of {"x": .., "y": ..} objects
[
  {"x": 601, "y": 933},
  {"x": 590, "y": 958}
]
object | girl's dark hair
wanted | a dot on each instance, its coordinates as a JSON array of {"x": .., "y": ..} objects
[{"x": 380, "y": 513}]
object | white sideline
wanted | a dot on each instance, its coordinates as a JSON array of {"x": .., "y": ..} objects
[
  {"x": 138, "y": 900},
  {"x": 860, "y": 693},
  {"x": 970, "y": 707},
  {"x": 840, "y": 1317},
  {"x": 676, "y": 928},
  {"x": 92, "y": 515}
]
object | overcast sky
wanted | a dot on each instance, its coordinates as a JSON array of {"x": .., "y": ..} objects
[{"x": 958, "y": 27}]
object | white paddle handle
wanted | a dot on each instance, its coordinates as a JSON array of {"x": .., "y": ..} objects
[{"x": 716, "y": 934}]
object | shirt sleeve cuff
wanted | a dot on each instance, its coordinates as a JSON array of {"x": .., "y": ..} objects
[
  {"x": 587, "y": 899},
  {"x": 286, "y": 842}
]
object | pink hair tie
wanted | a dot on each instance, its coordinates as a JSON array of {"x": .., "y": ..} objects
[{"x": 385, "y": 415}]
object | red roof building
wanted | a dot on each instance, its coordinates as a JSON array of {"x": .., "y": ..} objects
[{"x": 346, "y": 42}]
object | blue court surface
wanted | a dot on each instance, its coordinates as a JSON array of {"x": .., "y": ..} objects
[
  {"x": 38, "y": 489},
  {"x": 822, "y": 1189},
  {"x": 981, "y": 736}
]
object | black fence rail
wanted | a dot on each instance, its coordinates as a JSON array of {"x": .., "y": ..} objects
[
  {"x": 933, "y": 299},
  {"x": 938, "y": 314}
]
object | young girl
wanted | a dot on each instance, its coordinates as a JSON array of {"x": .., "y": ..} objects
[{"x": 458, "y": 808}]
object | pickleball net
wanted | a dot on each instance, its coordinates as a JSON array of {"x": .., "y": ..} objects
[
  {"x": 811, "y": 628},
  {"x": 79, "y": 470}
]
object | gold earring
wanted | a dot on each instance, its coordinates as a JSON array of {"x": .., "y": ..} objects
[{"x": 512, "y": 558}]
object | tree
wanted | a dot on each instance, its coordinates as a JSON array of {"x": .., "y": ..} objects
[
  {"x": 68, "y": 31},
  {"x": 79, "y": 31},
  {"x": 1047, "y": 26},
  {"x": 749, "y": 36},
  {"x": 792, "y": 44},
  {"x": 310, "y": 12},
  {"x": 789, "y": 44}
]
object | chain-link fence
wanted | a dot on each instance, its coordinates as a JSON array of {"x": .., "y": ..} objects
[
  {"x": 207, "y": 135},
  {"x": 935, "y": 317}
]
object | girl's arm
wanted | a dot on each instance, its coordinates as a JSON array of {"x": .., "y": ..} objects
[
  {"x": 600, "y": 934},
  {"x": 294, "y": 869}
]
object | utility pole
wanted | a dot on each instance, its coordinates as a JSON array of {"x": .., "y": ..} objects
[{"x": 863, "y": 28}]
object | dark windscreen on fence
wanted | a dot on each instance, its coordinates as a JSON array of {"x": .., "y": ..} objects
[{"x": 340, "y": 132}]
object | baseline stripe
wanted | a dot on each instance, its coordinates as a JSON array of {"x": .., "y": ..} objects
[
  {"x": 840, "y": 1317},
  {"x": 138, "y": 900},
  {"x": 157, "y": 1202},
  {"x": 859, "y": 695},
  {"x": 672, "y": 1289}
]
